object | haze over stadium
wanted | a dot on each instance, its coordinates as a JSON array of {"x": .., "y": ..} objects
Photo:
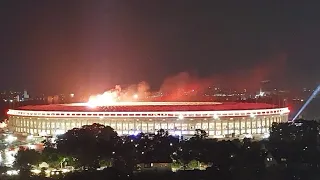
[
  {"x": 176, "y": 107},
  {"x": 184, "y": 86},
  {"x": 179, "y": 107},
  {"x": 177, "y": 88}
]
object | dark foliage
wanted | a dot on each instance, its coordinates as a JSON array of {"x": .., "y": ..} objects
[{"x": 294, "y": 147}]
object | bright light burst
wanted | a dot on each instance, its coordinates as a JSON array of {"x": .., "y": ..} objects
[{"x": 107, "y": 98}]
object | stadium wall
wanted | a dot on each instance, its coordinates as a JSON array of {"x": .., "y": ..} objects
[{"x": 217, "y": 124}]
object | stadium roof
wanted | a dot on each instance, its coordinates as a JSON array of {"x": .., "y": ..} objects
[{"x": 150, "y": 107}]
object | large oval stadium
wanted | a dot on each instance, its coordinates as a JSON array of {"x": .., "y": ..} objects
[{"x": 178, "y": 118}]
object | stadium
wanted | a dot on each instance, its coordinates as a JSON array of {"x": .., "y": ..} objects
[{"x": 219, "y": 120}]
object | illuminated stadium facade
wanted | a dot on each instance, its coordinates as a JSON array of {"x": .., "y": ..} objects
[{"x": 178, "y": 118}]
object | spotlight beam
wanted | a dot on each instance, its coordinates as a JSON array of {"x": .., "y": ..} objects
[{"x": 314, "y": 94}]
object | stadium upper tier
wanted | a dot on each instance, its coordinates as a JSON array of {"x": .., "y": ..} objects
[{"x": 150, "y": 107}]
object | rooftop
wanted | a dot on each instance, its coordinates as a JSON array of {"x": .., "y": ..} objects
[{"x": 150, "y": 107}]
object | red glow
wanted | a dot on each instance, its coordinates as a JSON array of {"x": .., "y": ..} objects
[{"x": 143, "y": 107}]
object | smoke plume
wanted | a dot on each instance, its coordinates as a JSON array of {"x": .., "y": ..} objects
[
  {"x": 183, "y": 86},
  {"x": 188, "y": 87}
]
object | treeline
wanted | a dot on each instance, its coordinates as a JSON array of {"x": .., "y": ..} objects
[{"x": 291, "y": 152}]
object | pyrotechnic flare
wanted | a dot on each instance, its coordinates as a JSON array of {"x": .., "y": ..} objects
[
  {"x": 107, "y": 98},
  {"x": 136, "y": 92},
  {"x": 103, "y": 99}
]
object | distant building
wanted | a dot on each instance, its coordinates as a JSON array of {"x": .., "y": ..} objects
[
  {"x": 266, "y": 86},
  {"x": 50, "y": 100},
  {"x": 11, "y": 96},
  {"x": 17, "y": 98},
  {"x": 25, "y": 95},
  {"x": 61, "y": 99},
  {"x": 56, "y": 99}
]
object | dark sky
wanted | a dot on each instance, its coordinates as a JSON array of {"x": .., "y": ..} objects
[{"x": 61, "y": 45}]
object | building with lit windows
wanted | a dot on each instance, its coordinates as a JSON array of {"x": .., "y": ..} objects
[{"x": 219, "y": 120}]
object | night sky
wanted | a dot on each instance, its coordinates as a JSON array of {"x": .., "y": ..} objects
[{"x": 62, "y": 46}]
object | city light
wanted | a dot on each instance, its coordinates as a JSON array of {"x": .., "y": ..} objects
[
  {"x": 266, "y": 135},
  {"x": 7, "y": 157},
  {"x": 42, "y": 133},
  {"x": 12, "y": 172},
  {"x": 31, "y": 146},
  {"x": 3, "y": 125},
  {"x": 59, "y": 132},
  {"x": 30, "y": 137},
  {"x": 248, "y": 136},
  {"x": 35, "y": 171},
  {"x": 10, "y": 139}
]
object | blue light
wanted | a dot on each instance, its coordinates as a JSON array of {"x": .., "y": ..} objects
[{"x": 314, "y": 94}]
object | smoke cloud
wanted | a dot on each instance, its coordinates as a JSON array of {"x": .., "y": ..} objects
[
  {"x": 188, "y": 87},
  {"x": 184, "y": 86},
  {"x": 135, "y": 92}
]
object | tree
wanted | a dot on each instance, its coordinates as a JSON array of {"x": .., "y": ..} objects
[
  {"x": 200, "y": 134},
  {"x": 176, "y": 165},
  {"x": 43, "y": 172},
  {"x": 56, "y": 159},
  {"x": 162, "y": 133},
  {"x": 88, "y": 144},
  {"x": 296, "y": 142},
  {"x": 193, "y": 164},
  {"x": 27, "y": 157},
  {"x": 105, "y": 163},
  {"x": 3, "y": 169}
]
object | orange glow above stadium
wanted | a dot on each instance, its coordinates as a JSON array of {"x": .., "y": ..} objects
[
  {"x": 116, "y": 96},
  {"x": 107, "y": 98}
]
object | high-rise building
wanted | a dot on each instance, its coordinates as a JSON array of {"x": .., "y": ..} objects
[
  {"x": 266, "y": 87},
  {"x": 17, "y": 98},
  {"x": 25, "y": 95}
]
